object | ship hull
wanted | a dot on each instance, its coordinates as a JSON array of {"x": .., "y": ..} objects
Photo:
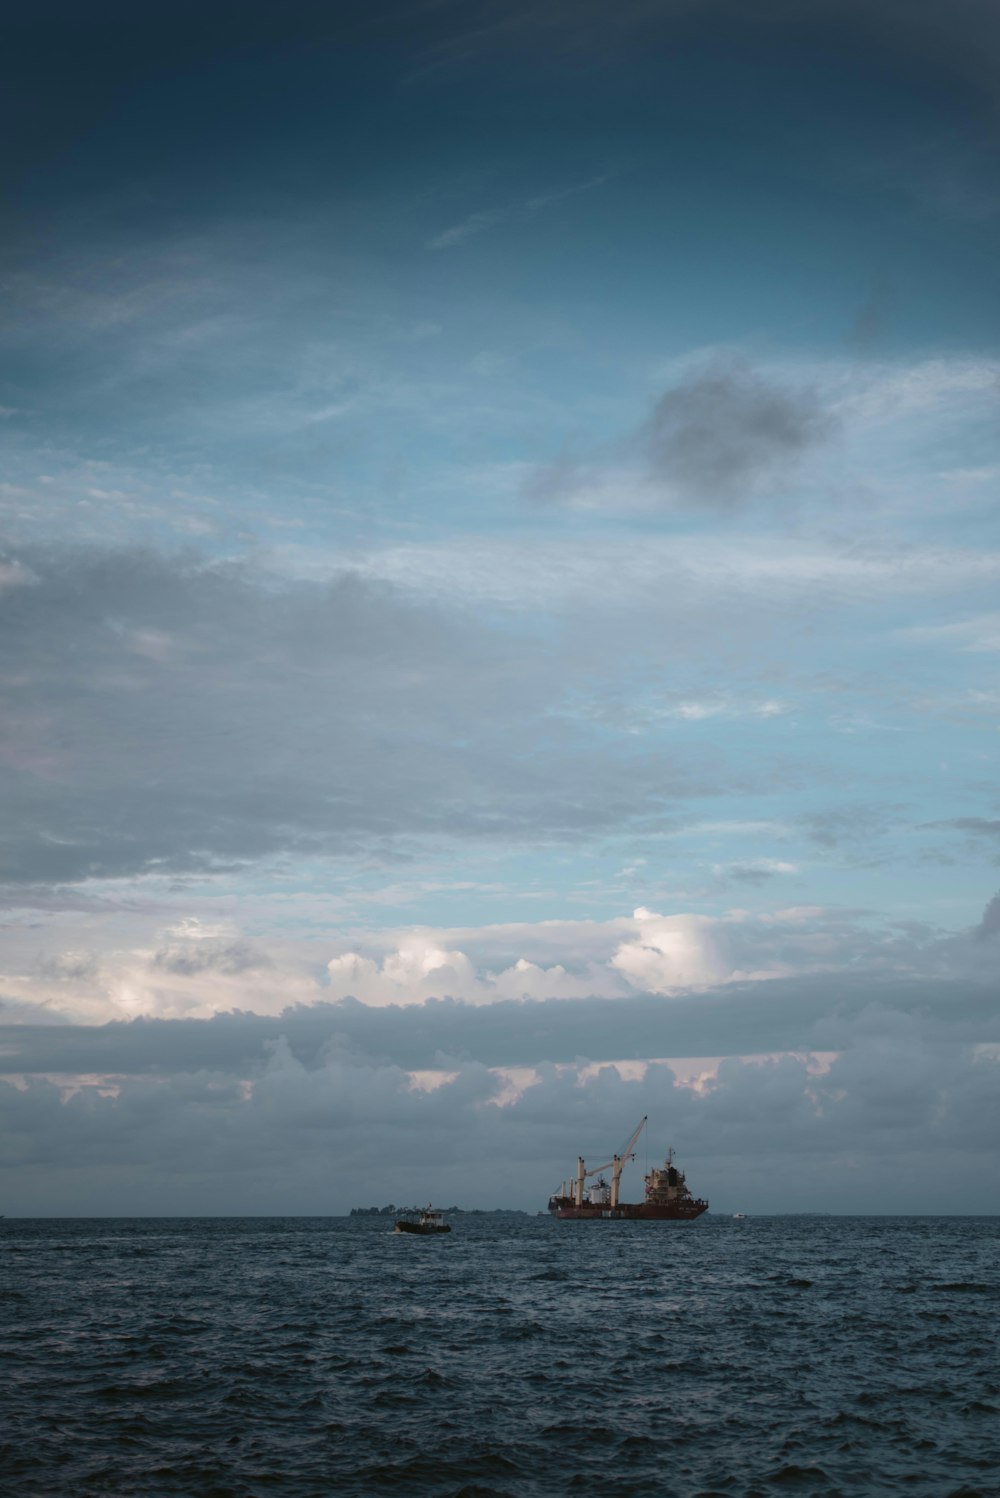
[{"x": 681, "y": 1211}]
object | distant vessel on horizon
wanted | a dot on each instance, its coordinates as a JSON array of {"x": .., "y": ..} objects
[{"x": 667, "y": 1197}]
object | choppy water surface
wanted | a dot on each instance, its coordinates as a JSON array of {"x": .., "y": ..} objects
[{"x": 515, "y": 1356}]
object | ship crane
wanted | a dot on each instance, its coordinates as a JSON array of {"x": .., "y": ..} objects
[{"x": 616, "y": 1165}]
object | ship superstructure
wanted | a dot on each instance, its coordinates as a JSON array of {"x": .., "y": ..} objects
[{"x": 667, "y": 1197}]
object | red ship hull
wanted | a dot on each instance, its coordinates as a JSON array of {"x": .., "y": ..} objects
[{"x": 677, "y": 1211}]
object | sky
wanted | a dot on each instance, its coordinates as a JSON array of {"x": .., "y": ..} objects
[{"x": 499, "y": 603}]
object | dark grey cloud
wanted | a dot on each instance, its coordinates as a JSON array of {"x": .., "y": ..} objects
[
  {"x": 977, "y": 832},
  {"x": 777, "y": 1015},
  {"x": 51, "y": 898},
  {"x": 351, "y": 1129},
  {"x": 203, "y": 956},
  {"x": 981, "y": 826},
  {"x": 745, "y": 873},
  {"x": 165, "y": 714},
  {"x": 722, "y": 433},
  {"x": 721, "y": 436},
  {"x": 70, "y": 967},
  {"x": 989, "y": 927},
  {"x": 314, "y": 1110},
  {"x": 846, "y": 824}
]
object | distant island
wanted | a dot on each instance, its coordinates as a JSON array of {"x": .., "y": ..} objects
[{"x": 392, "y": 1211}]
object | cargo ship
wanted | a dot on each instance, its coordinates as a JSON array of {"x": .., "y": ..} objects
[{"x": 667, "y": 1197}]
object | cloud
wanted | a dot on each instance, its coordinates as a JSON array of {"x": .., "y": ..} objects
[
  {"x": 854, "y": 1078},
  {"x": 683, "y": 578},
  {"x": 488, "y": 218},
  {"x": 169, "y": 714},
  {"x": 419, "y": 969},
  {"x": 722, "y": 434},
  {"x": 672, "y": 952},
  {"x": 989, "y": 927},
  {"x": 647, "y": 953},
  {"x": 877, "y": 393},
  {"x": 560, "y": 962},
  {"x": 474, "y": 224},
  {"x": 980, "y": 634},
  {"x": 852, "y": 823},
  {"x": 756, "y": 871},
  {"x": 979, "y": 826},
  {"x": 347, "y": 1126},
  {"x": 694, "y": 710},
  {"x": 729, "y": 431},
  {"x": 230, "y": 958},
  {"x": 808, "y": 1012}
]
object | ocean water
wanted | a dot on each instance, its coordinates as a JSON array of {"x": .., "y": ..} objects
[{"x": 238, "y": 1358}]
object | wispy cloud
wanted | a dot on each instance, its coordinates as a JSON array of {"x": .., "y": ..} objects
[
  {"x": 877, "y": 393},
  {"x": 488, "y": 218},
  {"x": 754, "y": 870},
  {"x": 980, "y": 634},
  {"x": 694, "y": 711}
]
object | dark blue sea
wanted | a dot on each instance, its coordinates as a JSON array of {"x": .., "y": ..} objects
[{"x": 248, "y": 1358}]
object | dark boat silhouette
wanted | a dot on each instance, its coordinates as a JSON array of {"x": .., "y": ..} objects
[{"x": 426, "y": 1222}]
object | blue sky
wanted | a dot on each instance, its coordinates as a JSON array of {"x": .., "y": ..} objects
[{"x": 499, "y": 510}]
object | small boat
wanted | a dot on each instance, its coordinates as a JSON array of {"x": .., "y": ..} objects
[
  {"x": 739, "y": 1217},
  {"x": 428, "y": 1221}
]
